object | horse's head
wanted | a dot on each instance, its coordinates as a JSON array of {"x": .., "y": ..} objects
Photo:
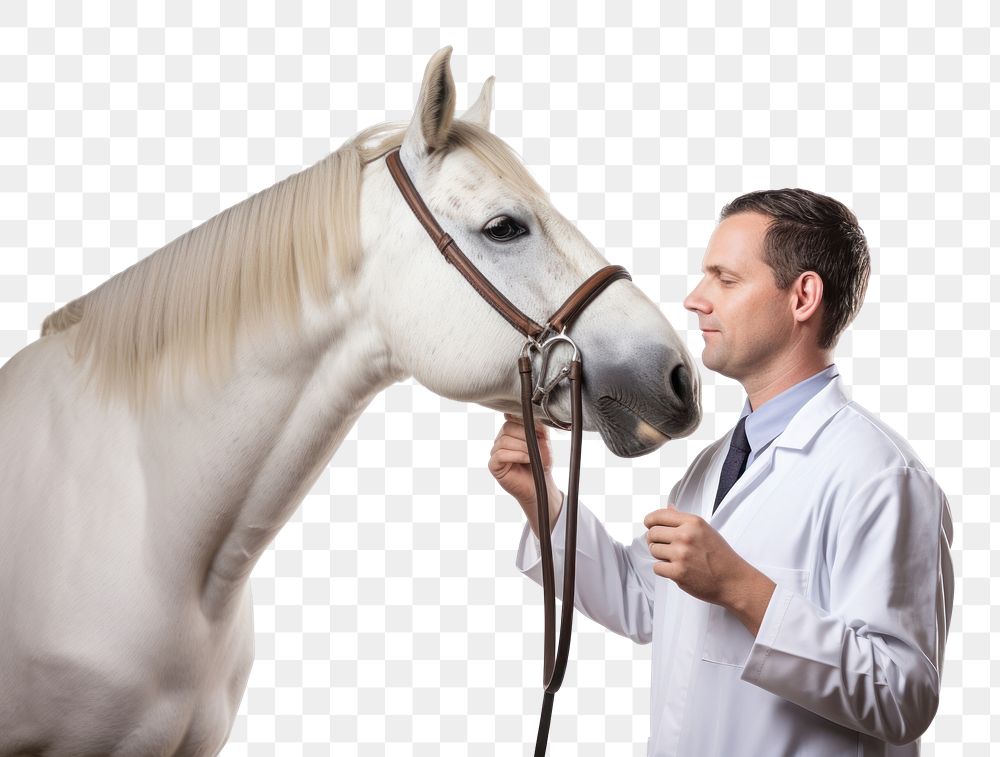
[{"x": 640, "y": 385}]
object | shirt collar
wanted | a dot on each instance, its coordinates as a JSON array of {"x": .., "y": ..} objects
[{"x": 765, "y": 423}]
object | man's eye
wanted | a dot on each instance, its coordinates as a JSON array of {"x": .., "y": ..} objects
[{"x": 503, "y": 229}]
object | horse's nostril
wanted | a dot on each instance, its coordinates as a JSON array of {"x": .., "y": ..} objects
[{"x": 680, "y": 382}]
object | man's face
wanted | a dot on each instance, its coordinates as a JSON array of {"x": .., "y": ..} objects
[{"x": 745, "y": 319}]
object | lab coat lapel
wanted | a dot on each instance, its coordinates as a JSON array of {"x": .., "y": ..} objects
[
  {"x": 800, "y": 430},
  {"x": 744, "y": 484}
]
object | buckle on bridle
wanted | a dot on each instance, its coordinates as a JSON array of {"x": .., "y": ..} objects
[{"x": 544, "y": 344}]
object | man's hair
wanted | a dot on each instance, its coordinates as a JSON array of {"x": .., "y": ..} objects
[{"x": 813, "y": 232}]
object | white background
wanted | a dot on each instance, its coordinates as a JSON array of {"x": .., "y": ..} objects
[{"x": 389, "y": 616}]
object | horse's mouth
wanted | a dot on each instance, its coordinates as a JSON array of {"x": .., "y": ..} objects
[
  {"x": 624, "y": 430},
  {"x": 629, "y": 431}
]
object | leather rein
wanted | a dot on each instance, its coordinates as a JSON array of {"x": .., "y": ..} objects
[{"x": 541, "y": 339}]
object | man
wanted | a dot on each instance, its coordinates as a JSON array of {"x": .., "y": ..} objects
[{"x": 798, "y": 586}]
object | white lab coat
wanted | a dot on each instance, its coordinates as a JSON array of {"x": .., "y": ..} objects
[{"x": 841, "y": 514}]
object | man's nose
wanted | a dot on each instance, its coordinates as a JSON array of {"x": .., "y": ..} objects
[{"x": 695, "y": 302}]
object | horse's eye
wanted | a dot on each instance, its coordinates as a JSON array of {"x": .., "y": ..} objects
[{"x": 503, "y": 229}]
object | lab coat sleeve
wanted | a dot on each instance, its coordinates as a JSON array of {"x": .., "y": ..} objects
[
  {"x": 614, "y": 582},
  {"x": 873, "y": 661}
]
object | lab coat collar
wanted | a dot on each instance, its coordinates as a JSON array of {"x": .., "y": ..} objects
[
  {"x": 803, "y": 426},
  {"x": 766, "y": 422}
]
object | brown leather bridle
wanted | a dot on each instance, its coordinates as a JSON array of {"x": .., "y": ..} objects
[{"x": 541, "y": 339}]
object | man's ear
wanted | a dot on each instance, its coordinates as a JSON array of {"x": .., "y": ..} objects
[
  {"x": 808, "y": 292},
  {"x": 434, "y": 111}
]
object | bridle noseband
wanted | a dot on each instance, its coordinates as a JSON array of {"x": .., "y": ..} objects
[{"x": 541, "y": 339}]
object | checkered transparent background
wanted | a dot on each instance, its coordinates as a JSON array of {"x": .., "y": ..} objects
[{"x": 389, "y": 616}]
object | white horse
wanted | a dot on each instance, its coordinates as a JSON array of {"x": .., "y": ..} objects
[{"x": 168, "y": 423}]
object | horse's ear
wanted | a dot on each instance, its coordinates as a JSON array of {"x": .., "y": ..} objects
[
  {"x": 435, "y": 109},
  {"x": 479, "y": 112}
]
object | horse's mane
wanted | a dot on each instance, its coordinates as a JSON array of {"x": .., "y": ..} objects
[{"x": 244, "y": 268}]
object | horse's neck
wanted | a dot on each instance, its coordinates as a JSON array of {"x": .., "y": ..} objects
[{"x": 230, "y": 469}]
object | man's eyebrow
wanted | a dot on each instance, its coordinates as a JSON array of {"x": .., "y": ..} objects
[{"x": 719, "y": 270}]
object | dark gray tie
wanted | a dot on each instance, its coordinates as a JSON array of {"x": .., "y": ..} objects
[{"x": 736, "y": 461}]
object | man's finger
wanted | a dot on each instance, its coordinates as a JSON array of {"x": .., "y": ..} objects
[
  {"x": 516, "y": 430},
  {"x": 506, "y": 441},
  {"x": 660, "y": 551},
  {"x": 665, "y": 516},
  {"x": 510, "y": 456},
  {"x": 660, "y": 535},
  {"x": 665, "y": 570}
]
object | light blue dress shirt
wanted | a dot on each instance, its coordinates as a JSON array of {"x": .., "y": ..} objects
[{"x": 765, "y": 423}]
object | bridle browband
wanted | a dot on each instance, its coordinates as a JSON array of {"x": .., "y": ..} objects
[{"x": 541, "y": 339}]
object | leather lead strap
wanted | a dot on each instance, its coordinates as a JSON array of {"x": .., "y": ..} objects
[{"x": 554, "y": 663}]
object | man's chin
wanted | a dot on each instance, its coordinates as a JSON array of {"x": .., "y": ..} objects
[
  {"x": 711, "y": 361},
  {"x": 715, "y": 364}
]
